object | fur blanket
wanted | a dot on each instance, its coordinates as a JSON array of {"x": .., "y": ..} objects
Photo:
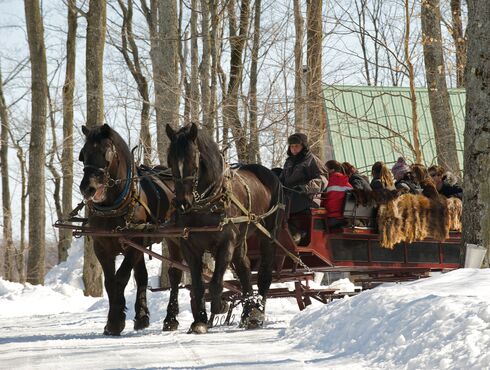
[{"x": 409, "y": 218}]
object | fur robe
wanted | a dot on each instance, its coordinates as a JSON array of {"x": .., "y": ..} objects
[{"x": 410, "y": 218}]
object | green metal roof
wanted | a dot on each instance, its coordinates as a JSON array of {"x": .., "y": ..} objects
[{"x": 361, "y": 121}]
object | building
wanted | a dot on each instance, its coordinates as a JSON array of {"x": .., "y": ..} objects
[{"x": 366, "y": 124}]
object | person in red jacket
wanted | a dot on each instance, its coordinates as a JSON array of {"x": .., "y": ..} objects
[{"x": 338, "y": 184}]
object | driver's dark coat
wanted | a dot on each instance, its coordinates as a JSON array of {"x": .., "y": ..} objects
[{"x": 300, "y": 169}]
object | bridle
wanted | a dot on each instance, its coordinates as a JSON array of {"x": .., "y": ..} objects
[
  {"x": 109, "y": 182},
  {"x": 205, "y": 197}
]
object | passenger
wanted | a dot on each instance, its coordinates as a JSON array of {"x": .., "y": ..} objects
[
  {"x": 355, "y": 178},
  {"x": 338, "y": 184},
  {"x": 382, "y": 177},
  {"x": 302, "y": 174},
  {"x": 404, "y": 178},
  {"x": 303, "y": 177},
  {"x": 420, "y": 173},
  {"x": 445, "y": 182}
]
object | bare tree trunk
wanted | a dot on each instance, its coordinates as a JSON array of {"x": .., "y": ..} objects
[
  {"x": 299, "y": 99},
  {"x": 476, "y": 198},
  {"x": 183, "y": 55},
  {"x": 23, "y": 185},
  {"x": 459, "y": 41},
  {"x": 254, "y": 152},
  {"x": 10, "y": 270},
  {"x": 151, "y": 15},
  {"x": 214, "y": 67},
  {"x": 50, "y": 164},
  {"x": 361, "y": 16},
  {"x": 96, "y": 27},
  {"x": 194, "y": 90},
  {"x": 128, "y": 47},
  {"x": 413, "y": 97},
  {"x": 169, "y": 78},
  {"x": 39, "y": 87},
  {"x": 204, "y": 69},
  {"x": 67, "y": 153},
  {"x": 440, "y": 107},
  {"x": 316, "y": 123},
  {"x": 230, "y": 103}
]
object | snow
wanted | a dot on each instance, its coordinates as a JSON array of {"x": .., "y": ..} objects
[{"x": 442, "y": 322}]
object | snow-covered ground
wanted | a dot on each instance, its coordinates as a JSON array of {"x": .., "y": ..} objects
[{"x": 437, "y": 323}]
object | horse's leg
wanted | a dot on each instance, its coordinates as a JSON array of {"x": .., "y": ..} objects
[
  {"x": 193, "y": 258},
  {"x": 223, "y": 255},
  {"x": 253, "y": 307},
  {"x": 142, "y": 314},
  {"x": 175, "y": 276},
  {"x": 241, "y": 265},
  {"x": 116, "y": 316},
  {"x": 267, "y": 253}
]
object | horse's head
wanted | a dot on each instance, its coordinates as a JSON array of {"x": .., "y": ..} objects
[
  {"x": 183, "y": 159},
  {"x": 97, "y": 155}
]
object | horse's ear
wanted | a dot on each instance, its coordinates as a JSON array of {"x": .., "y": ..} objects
[
  {"x": 85, "y": 130},
  {"x": 193, "y": 132},
  {"x": 170, "y": 132},
  {"x": 105, "y": 130}
]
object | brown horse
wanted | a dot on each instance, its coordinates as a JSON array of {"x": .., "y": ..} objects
[
  {"x": 119, "y": 195},
  {"x": 245, "y": 201}
]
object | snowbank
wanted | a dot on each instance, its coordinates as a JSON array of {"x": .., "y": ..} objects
[{"x": 437, "y": 323}]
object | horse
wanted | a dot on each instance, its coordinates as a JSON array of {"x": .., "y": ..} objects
[
  {"x": 119, "y": 194},
  {"x": 245, "y": 202}
]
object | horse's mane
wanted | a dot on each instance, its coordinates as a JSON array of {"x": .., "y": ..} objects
[
  {"x": 208, "y": 150},
  {"x": 210, "y": 154}
]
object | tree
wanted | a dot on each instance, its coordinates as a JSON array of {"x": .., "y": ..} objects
[
  {"x": 39, "y": 87},
  {"x": 167, "y": 80},
  {"x": 238, "y": 40},
  {"x": 411, "y": 78},
  {"x": 459, "y": 41},
  {"x": 299, "y": 103},
  {"x": 476, "y": 198},
  {"x": 194, "y": 88},
  {"x": 316, "y": 122},
  {"x": 94, "y": 58},
  {"x": 253, "y": 152},
  {"x": 67, "y": 152},
  {"x": 204, "y": 69},
  {"x": 9, "y": 249},
  {"x": 130, "y": 52},
  {"x": 435, "y": 73}
]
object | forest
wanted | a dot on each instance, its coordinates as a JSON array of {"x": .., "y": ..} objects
[{"x": 249, "y": 72}]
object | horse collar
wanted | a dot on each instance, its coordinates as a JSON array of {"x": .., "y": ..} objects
[{"x": 121, "y": 197}]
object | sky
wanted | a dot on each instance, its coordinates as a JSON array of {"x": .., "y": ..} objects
[{"x": 442, "y": 322}]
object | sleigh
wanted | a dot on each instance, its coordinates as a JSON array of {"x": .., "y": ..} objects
[{"x": 352, "y": 250}]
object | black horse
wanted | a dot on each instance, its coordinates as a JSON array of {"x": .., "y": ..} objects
[
  {"x": 208, "y": 194},
  {"x": 119, "y": 195}
]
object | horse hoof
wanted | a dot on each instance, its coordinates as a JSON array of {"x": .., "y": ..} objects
[
  {"x": 198, "y": 328},
  {"x": 112, "y": 333},
  {"x": 141, "y": 323},
  {"x": 253, "y": 314},
  {"x": 254, "y": 319},
  {"x": 170, "y": 325}
]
